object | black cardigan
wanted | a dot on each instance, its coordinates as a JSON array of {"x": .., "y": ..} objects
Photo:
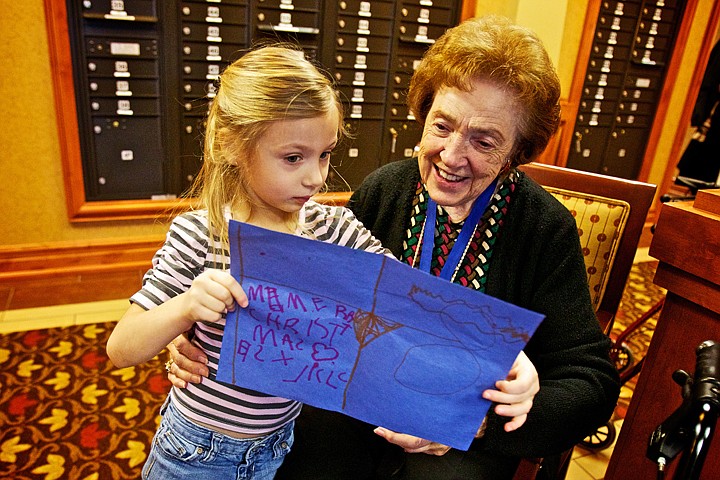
[{"x": 536, "y": 264}]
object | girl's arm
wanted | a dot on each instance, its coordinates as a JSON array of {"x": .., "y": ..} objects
[{"x": 141, "y": 334}]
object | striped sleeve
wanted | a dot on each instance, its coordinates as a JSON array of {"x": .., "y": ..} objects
[
  {"x": 185, "y": 255},
  {"x": 338, "y": 225},
  {"x": 182, "y": 258}
]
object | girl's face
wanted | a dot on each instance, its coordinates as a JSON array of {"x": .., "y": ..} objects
[
  {"x": 290, "y": 165},
  {"x": 467, "y": 139}
]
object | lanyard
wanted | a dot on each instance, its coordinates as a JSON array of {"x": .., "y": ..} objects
[{"x": 463, "y": 239}]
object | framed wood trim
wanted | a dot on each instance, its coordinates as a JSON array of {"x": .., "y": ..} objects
[
  {"x": 78, "y": 208},
  {"x": 570, "y": 109},
  {"x": 83, "y": 211},
  {"x": 468, "y": 10},
  {"x": 152, "y": 209},
  {"x": 65, "y": 109},
  {"x": 668, "y": 86},
  {"x": 551, "y": 154}
]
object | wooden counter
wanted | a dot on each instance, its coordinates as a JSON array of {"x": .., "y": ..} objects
[{"x": 687, "y": 244}]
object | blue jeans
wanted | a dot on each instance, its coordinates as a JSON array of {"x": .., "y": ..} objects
[{"x": 183, "y": 449}]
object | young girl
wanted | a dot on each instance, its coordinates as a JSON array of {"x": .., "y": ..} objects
[{"x": 270, "y": 131}]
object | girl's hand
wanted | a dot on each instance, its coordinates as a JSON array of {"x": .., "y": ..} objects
[
  {"x": 141, "y": 334},
  {"x": 515, "y": 394},
  {"x": 212, "y": 294},
  {"x": 412, "y": 444}
]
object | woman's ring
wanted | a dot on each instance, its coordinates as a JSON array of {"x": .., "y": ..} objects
[{"x": 168, "y": 365}]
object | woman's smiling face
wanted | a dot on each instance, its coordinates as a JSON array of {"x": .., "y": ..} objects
[{"x": 466, "y": 142}]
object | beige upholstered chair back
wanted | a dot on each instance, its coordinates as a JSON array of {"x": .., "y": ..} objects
[
  {"x": 610, "y": 213},
  {"x": 601, "y": 223}
]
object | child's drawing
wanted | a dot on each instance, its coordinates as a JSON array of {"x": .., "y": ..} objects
[{"x": 366, "y": 335}]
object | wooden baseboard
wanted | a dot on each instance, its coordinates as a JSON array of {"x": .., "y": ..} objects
[{"x": 36, "y": 275}]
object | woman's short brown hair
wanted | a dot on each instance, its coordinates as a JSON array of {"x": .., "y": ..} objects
[{"x": 506, "y": 54}]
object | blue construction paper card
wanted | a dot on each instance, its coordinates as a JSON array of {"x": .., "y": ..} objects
[{"x": 366, "y": 335}]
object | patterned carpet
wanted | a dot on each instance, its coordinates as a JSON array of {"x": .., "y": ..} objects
[{"x": 67, "y": 413}]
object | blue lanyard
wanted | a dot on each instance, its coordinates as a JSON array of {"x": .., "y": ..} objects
[{"x": 463, "y": 239}]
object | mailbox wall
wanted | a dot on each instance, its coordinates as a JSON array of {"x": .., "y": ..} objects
[
  {"x": 631, "y": 50},
  {"x": 145, "y": 71}
]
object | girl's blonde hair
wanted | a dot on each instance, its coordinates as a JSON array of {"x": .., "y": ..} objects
[{"x": 268, "y": 84}]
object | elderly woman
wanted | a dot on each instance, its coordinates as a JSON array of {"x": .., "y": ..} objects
[{"x": 487, "y": 96}]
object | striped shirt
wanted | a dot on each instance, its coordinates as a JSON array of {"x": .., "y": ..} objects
[{"x": 187, "y": 252}]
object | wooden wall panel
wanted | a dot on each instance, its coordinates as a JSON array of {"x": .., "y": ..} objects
[{"x": 63, "y": 273}]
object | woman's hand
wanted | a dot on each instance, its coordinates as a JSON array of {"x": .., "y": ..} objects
[
  {"x": 187, "y": 364},
  {"x": 412, "y": 444},
  {"x": 514, "y": 395}
]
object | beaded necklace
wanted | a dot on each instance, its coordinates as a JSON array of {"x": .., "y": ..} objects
[
  {"x": 456, "y": 255},
  {"x": 473, "y": 270}
]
